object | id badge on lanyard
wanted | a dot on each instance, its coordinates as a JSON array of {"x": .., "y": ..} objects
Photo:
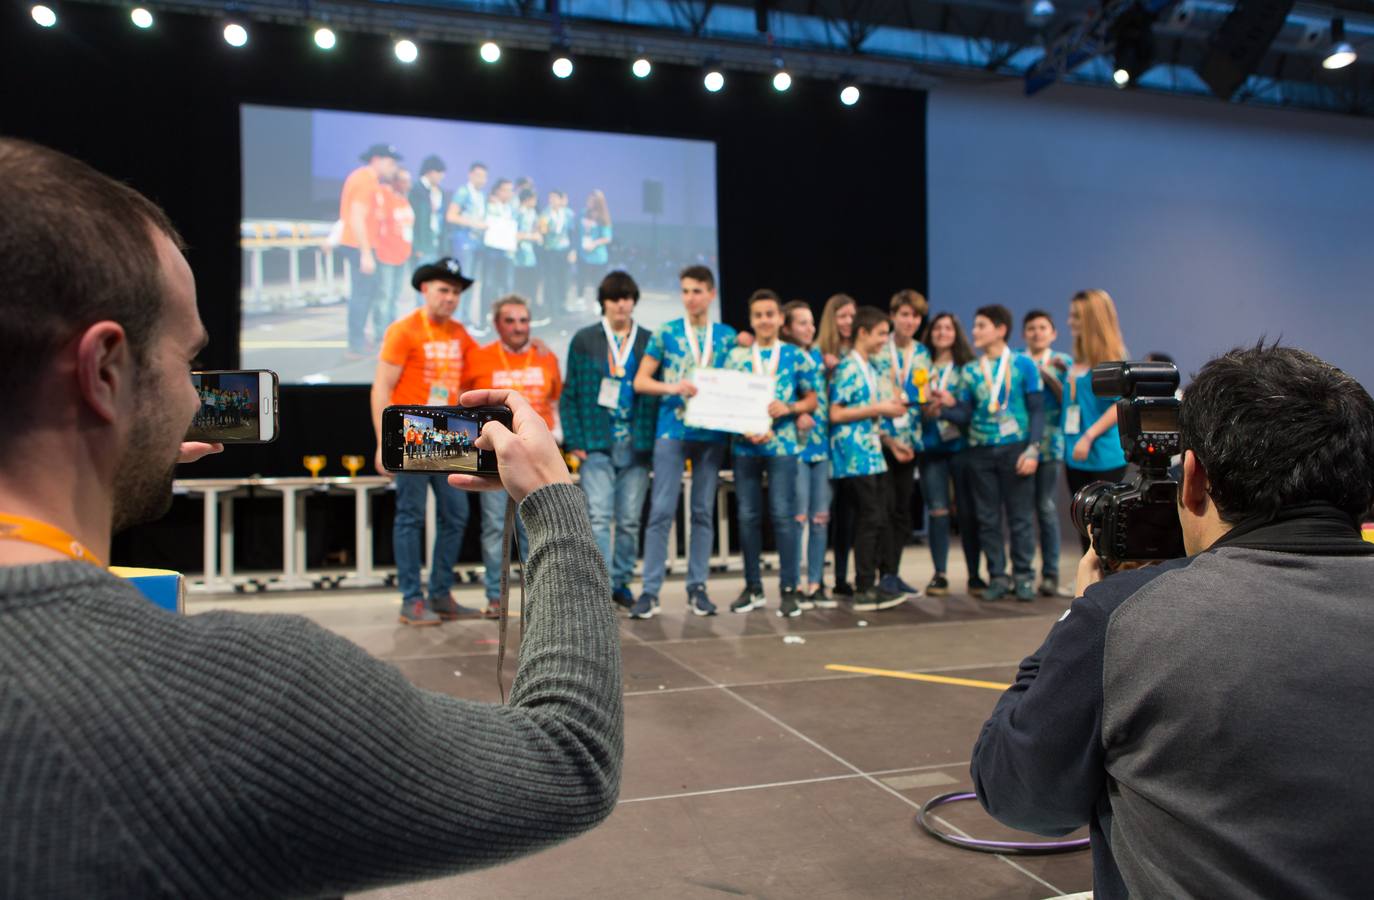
[
  {"x": 609, "y": 395},
  {"x": 438, "y": 396}
]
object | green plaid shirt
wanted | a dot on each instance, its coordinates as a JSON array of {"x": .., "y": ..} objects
[{"x": 587, "y": 424}]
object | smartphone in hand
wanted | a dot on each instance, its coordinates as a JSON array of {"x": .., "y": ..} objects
[
  {"x": 237, "y": 406},
  {"x": 439, "y": 438}
]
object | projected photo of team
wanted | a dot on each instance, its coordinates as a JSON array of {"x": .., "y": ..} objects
[
  {"x": 228, "y": 407},
  {"x": 439, "y": 443}
]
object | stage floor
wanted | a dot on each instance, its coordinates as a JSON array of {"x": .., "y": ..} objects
[{"x": 752, "y": 769}]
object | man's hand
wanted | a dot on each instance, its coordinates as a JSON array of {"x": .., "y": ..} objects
[
  {"x": 890, "y": 408},
  {"x": 744, "y": 339},
  {"x": 580, "y": 454},
  {"x": 805, "y": 422},
  {"x": 1082, "y": 448},
  {"x": 685, "y": 389},
  {"x": 367, "y": 263},
  {"x": 901, "y": 452},
  {"x": 1089, "y": 572},
  {"x": 1026, "y": 465},
  {"x": 777, "y": 409},
  {"x": 194, "y": 450},
  {"x": 381, "y": 470},
  {"x": 759, "y": 438},
  {"x": 540, "y": 347},
  {"x": 527, "y": 458}
]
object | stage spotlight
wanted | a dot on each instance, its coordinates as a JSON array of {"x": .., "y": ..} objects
[
  {"x": 490, "y": 51},
  {"x": 562, "y": 65},
  {"x": 406, "y": 51},
  {"x": 1121, "y": 77},
  {"x": 1342, "y": 52},
  {"x": 849, "y": 94},
  {"x": 713, "y": 80},
  {"x": 324, "y": 38},
  {"x": 141, "y": 17},
  {"x": 1038, "y": 12},
  {"x": 782, "y": 81},
  {"x": 235, "y": 35},
  {"x": 44, "y": 16},
  {"x": 641, "y": 67}
]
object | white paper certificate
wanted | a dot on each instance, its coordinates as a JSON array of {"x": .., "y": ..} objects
[
  {"x": 731, "y": 401},
  {"x": 500, "y": 234}
]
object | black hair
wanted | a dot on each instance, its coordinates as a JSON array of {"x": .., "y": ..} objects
[
  {"x": 477, "y": 165},
  {"x": 1036, "y": 314},
  {"x": 699, "y": 273},
  {"x": 961, "y": 350},
  {"x": 997, "y": 314},
  {"x": 1276, "y": 426},
  {"x": 617, "y": 285},
  {"x": 764, "y": 294},
  {"x": 526, "y": 194},
  {"x": 432, "y": 163},
  {"x": 496, "y": 186},
  {"x": 867, "y": 318}
]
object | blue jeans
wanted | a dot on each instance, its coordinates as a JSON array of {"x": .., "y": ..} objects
[
  {"x": 407, "y": 532},
  {"x": 393, "y": 282},
  {"x": 1046, "y": 485},
  {"x": 361, "y": 296},
  {"x": 782, "y": 505},
  {"x": 669, "y": 456},
  {"x": 937, "y": 471},
  {"x": 615, "y": 483},
  {"x": 813, "y": 507},
  {"x": 493, "y": 526},
  {"x": 997, "y": 487}
]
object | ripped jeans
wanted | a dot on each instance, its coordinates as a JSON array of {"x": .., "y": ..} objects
[{"x": 813, "y": 505}]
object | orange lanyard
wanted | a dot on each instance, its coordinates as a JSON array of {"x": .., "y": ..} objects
[
  {"x": 22, "y": 528},
  {"x": 505, "y": 363}
]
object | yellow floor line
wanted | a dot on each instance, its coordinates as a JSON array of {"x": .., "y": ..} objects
[{"x": 916, "y": 676}]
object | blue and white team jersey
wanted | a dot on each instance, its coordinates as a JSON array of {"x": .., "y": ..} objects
[
  {"x": 855, "y": 448},
  {"x": 711, "y": 344},
  {"x": 941, "y": 435},
  {"x": 908, "y": 371},
  {"x": 796, "y": 375},
  {"x": 1052, "y": 443},
  {"x": 818, "y": 439},
  {"x": 998, "y": 389}
]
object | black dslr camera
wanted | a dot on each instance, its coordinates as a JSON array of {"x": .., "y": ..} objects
[{"x": 1136, "y": 521}]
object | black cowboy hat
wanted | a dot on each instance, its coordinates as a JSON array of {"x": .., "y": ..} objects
[{"x": 446, "y": 269}]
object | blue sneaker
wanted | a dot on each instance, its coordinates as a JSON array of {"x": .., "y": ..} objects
[
  {"x": 623, "y": 596},
  {"x": 646, "y": 607},
  {"x": 906, "y": 588},
  {"x": 891, "y": 584},
  {"x": 698, "y": 602}
]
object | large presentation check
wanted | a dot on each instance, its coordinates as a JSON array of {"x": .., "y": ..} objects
[{"x": 731, "y": 401}]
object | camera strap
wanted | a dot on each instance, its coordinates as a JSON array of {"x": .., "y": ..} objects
[{"x": 507, "y": 536}]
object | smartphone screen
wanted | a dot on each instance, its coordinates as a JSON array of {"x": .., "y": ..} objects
[
  {"x": 438, "y": 438},
  {"x": 236, "y": 407}
]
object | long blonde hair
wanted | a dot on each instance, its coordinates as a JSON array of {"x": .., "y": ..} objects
[
  {"x": 829, "y": 339},
  {"x": 1099, "y": 332}
]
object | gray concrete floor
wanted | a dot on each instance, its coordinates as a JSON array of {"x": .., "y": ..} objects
[{"x": 751, "y": 769}]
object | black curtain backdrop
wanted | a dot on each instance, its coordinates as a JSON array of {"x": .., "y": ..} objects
[{"x": 813, "y": 198}]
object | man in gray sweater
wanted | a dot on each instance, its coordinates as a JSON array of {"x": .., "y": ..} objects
[
  {"x": 1210, "y": 718},
  {"x": 145, "y": 754}
]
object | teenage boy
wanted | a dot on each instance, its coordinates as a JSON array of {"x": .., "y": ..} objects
[
  {"x": 680, "y": 348},
  {"x": 512, "y": 362},
  {"x": 774, "y": 452},
  {"x": 856, "y": 453},
  {"x": 1038, "y": 330},
  {"x": 905, "y": 366},
  {"x": 610, "y": 428},
  {"x": 1007, "y": 424},
  {"x": 557, "y": 255}
]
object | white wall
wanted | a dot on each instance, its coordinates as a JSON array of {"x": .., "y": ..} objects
[{"x": 1210, "y": 224}]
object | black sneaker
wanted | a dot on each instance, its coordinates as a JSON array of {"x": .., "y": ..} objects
[
  {"x": 976, "y": 586},
  {"x": 623, "y": 597},
  {"x": 749, "y": 599},
  {"x": 822, "y": 600},
  {"x": 844, "y": 589},
  {"x": 876, "y": 599},
  {"x": 790, "y": 608},
  {"x": 806, "y": 601},
  {"x": 938, "y": 587}
]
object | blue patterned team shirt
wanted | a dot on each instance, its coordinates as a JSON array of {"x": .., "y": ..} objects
[
  {"x": 527, "y": 221},
  {"x": 1052, "y": 445},
  {"x": 795, "y": 377},
  {"x": 669, "y": 347},
  {"x": 907, "y": 428},
  {"x": 854, "y": 446},
  {"x": 1022, "y": 379},
  {"x": 931, "y": 439},
  {"x": 818, "y": 439}
]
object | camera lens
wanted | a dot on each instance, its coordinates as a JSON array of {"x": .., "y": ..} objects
[{"x": 1084, "y": 510}]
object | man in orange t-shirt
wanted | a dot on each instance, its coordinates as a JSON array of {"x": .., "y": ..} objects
[
  {"x": 394, "y": 225},
  {"x": 421, "y": 364},
  {"x": 358, "y": 210},
  {"x": 517, "y": 362}
]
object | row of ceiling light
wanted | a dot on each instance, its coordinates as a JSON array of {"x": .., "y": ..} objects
[{"x": 406, "y": 50}]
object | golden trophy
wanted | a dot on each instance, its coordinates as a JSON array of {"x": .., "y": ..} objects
[
  {"x": 314, "y": 463},
  {"x": 353, "y": 462}
]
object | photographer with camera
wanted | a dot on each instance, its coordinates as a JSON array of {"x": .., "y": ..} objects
[
  {"x": 1209, "y": 717},
  {"x": 146, "y": 754}
]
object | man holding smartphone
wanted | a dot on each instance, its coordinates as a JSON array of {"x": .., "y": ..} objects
[
  {"x": 308, "y": 767},
  {"x": 421, "y": 364}
]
